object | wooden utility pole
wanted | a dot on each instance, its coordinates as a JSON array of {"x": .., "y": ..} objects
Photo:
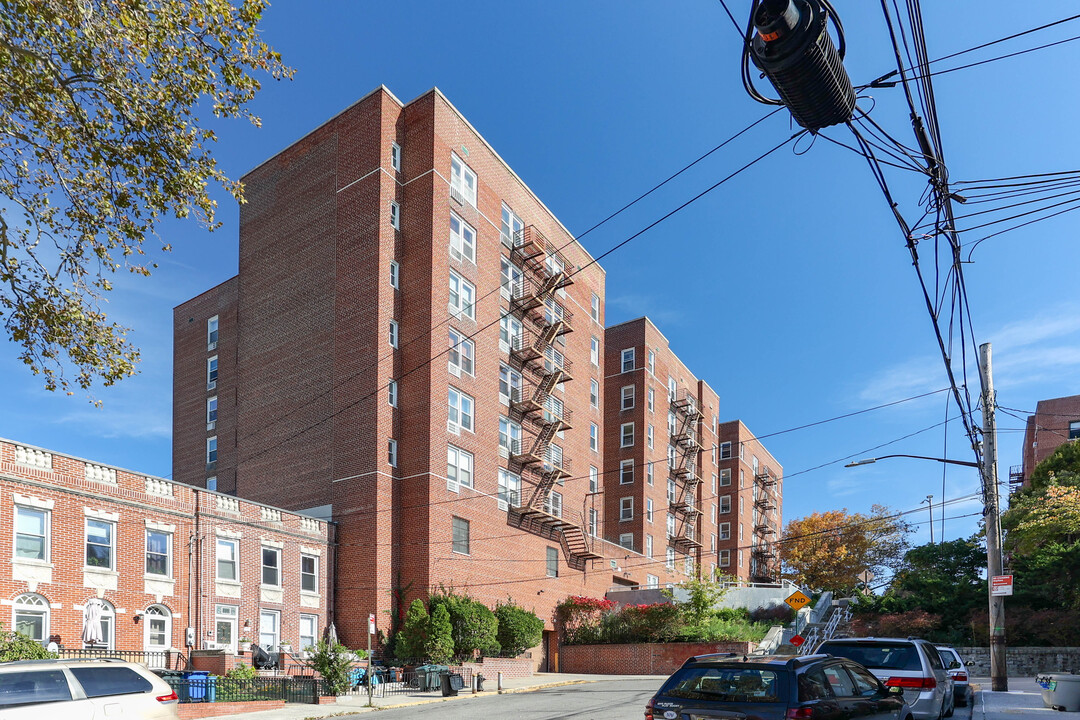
[{"x": 999, "y": 678}]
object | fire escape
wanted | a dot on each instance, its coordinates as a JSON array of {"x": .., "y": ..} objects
[
  {"x": 536, "y": 352},
  {"x": 762, "y": 555},
  {"x": 683, "y": 465}
]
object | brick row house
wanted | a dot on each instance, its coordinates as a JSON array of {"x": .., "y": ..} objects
[
  {"x": 414, "y": 347},
  {"x": 1056, "y": 421},
  {"x": 173, "y": 567}
]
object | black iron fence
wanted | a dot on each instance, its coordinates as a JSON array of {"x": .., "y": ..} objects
[
  {"x": 224, "y": 689},
  {"x": 398, "y": 681},
  {"x": 163, "y": 659}
]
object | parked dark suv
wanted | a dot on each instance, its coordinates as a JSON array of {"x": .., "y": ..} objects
[{"x": 810, "y": 687}]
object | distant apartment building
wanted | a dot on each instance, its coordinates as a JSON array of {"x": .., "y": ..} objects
[
  {"x": 172, "y": 567},
  {"x": 412, "y": 347},
  {"x": 1055, "y": 421}
]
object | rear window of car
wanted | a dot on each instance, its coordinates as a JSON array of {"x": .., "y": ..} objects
[
  {"x": 101, "y": 681},
  {"x": 881, "y": 655},
  {"x": 32, "y": 687},
  {"x": 948, "y": 656},
  {"x": 743, "y": 685}
]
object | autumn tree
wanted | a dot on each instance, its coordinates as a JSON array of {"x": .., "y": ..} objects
[
  {"x": 101, "y": 137},
  {"x": 829, "y": 550}
]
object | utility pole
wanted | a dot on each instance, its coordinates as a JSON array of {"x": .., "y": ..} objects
[
  {"x": 999, "y": 678},
  {"x": 930, "y": 506}
]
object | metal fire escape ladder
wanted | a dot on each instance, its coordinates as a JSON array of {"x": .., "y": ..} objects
[
  {"x": 684, "y": 439},
  {"x": 762, "y": 552}
]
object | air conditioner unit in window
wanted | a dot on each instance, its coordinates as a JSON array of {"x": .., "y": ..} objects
[
  {"x": 211, "y": 425},
  {"x": 211, "y": 346},
  {"x": 457, "y": 196},
  {"x": 211, "y": 385},
  {"x": 453, "y": 428}
]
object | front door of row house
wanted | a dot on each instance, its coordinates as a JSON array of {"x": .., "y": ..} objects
[
  {"x": 157, "y": 634},
  {"x": 225, "y": 617}
]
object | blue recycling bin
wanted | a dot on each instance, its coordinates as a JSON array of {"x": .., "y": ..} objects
[
  {"x": 197, "y": 684},
  {"x": 211, "y": 688}
]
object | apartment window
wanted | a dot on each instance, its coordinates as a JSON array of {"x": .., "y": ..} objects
[
  {"x": 391, "y": 452},
  {"x": 554, "y": 264},
  {"x": 672, "y": 457},
  {"x": 462, "y": 297},
  {"x": 509, "y": 489},
  {"x": 626, "y": 540},
  {"x": 594, "y": 393},
  {"x": 211, "y": 450},
  {"x": 391, "y": 393},
  {"x": 713, "y": 453},
  {"x": 651, "y": 581},
  {"x": 511, "y": 279},
  {"x": 459, "y": 468},
  {"x": 462, "y": 239},
  {"x": 269, "y": 628},
  {"x": 628, "y": 397},
  {"x": 627, "y": 359},
  {"x": 212, "y": 333},
  {"x": 594, "y": 437},
  {"x": 460, "y": 415},
  {"x": 552, "y": 562},
  {"x": 670, "y": 525},
  {"x": 754, "y": 463},
  {"x": 509, "y": 436},
  {"x": 672, "y": 389},
  {"x": 672, "y": 491},
  {"x": 648, "y": 510},
  {"x": 462, "y": 351},
  {"x": 158, "y": 555},
  {"x": 228, "y": 552},
  {"x": 725, "y": 504},
  {"x": 271, "y": 566},
  {"x": 713, "y": 516},
  {"x": 510, "y": 227},
  {"x": 211, "y": 373},
  {"x": 31, "y": 533},
  {"x": 594, "y": 522},
  {"x": 712, "y": 542},
  {"x": 688, "y": 566},
  {"x": 309, "y": 631},
  {"x": 672, "y": 424},
  {"x": 100, "y": 551},
  {"x": 395, "y": 156},
  {"x": 211, "y": 412},
  {"x": 509, "y": 331},
  {"x": 741, "y": 526},
  {"x": 395, "y": 215},
  {"x": 553, "y": 409},
  {"x": 594, "y": 479},
  {"x": 740, "y": 558},
  {"x": 626, "y": 472},
  {"x": 393, "y": 333},
  {"x": 725, "y": 451},
  {"x": 1074, "y": 429},
  {"x": 626, "y": 435},
  {"x": 725, "y": 477},
  {"x": 650, "y": 362},
  {"x": 211, "y": 483},
  {"x": 31, "y": 617},
  {"x": 669, "y": 561},
  {"x": 652, "y": 400},
  {"x": 649, "y": 472},
  {"x": 725, "y": 531},
  {"x": 648, "y": 547},
  {"x": 714, "y": 483},
  {"x": 395, "y": 274},
  {"x": 649, "y": 436},
  {"x": 594, "y": 351},
  {"x": 509, "y": 385},
  {"x": 553, "y": 503},
  {"x": 309, "y": 574},
  {"x": 462, "y": 180},
  {"x": 554, "y": 457},
  {"x": 594, "y": 308},
  {"x": 725, "y": 558},
  {"x": 460, "y": 531}
]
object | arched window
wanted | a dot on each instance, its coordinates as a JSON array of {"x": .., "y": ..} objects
[
  {"x": 108, "y": 626},
  {"x": 157, "y": 637},
  {"x": 31, "y": 617}
]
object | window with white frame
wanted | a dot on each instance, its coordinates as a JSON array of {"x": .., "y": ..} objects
[
  {"x": 648, "y": 547},
  {"x": 211, "y": 412},
  {"x": 106, "y": 625},
  {"x": 649, "y": 472},
  {"x": 211, "y": 483},
  {"x": 309, "y": 632},
  {"x": 309, "y": 573},
  {"x": 393, "y": 335},
  {"x": 270, "y": 628},
  {"x": 509, "y": 489},
  {"x": 627, "y": 360},
  {"x": 672, "y": 424},
  {"x": 741, "y": 526},
  {"x": 725, "y": 558},
  {"x": 672, "y": 389},
  {"x": 672, "y": 457},
  {"x": 158, "y": 553},
  {"x": 211, "y": 450},
  {"x": 395, "y": 156},
  {"x": 714, "y": 483},
  {"x": 462, "y": 351},
  {"x": 553, "y": 503},
  {"x": 594, "y": 479},
  {"x": 211, "y": 372},
  {"x": 553, "y": 409},
  {"x": 740, "y": 558},
  {"x": 626, "y": 435},
  {"x": 652, "y": 400},
  {"x": 511, "y": 279},
  {"x": 626, "y": 472},
  {"x": 670, "y": 525},
  {"x": 648, "y": 510},
  {"x": 594, "y": 393},
  {"x": 626, "y": 508},
  {"x": 271, "y": 566},
  {"x": 31, "y": 533},
  {"x": 725, "y": 477},
  {"x": 391, "y": 452},
  {"x": 594, "y": 351},
  {"x": 742, "y": 451},
  {"x": 30, "y": 617},
  {"x": 688, "y": 566},
  {"x": 628, "y": 397},
  {"x": 228, "y": 557},
  {"x": 652, "y": 582},
  {"x": 509, "y": 436},
  {"x": 669, "y": 560},
  {"x": 725, "y": 451},
  {"x": 212, "y": 333},
  {"x": 552, "y": 562},
  {"x": 712, "y": 542},
  {"x": 509, "y": 332},
  {"x": 459, "y": 468},
  {"x": 553, "y": 359},
  {"x": 672, "y": 491},
  {"x": 509, "y": 385},
  {"x": 626, "y": 540},
  {"x": 462, "y": 297},
  {"x": 460, "y": 411},
  {"x": 510, "y": 227},
  {"x": 594, "y": 308},
  {"x": 713, "y": 514},
  {"x": 649, "y": 436},
  {"x": 391, "y": 393},
  {"x": 462, "y": 181},
  {"x": 395, "y": 274},
  {"x": 725, "y": 504},
  {"x": 594, "y": 437},
  {"x": 554, "y": 264},
  {"x": 650, "y": 362},
  {"x": 554, "y": 457},
  {"x": 459, "y": 535},
  {"x": 553, "y": 312},
  {"x": 462, "y": 239},
  {"x": 395, "y": 215},
  {"x": 100, "y": 544},
  {"x": 594, "y": 522}
]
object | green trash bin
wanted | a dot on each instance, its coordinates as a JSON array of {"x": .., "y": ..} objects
[
  {"x": 428, "y": 677},
  {"x": 176, "y": 681}
]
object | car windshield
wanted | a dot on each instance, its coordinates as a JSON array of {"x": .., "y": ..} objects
[
  {"x": 743, "y": 685},
  {"x": 884, "y": 656}
]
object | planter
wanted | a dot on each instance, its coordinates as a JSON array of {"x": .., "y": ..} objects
[
  {"x": 285, "y": 647},
  {"x": 244, "y": 647}
]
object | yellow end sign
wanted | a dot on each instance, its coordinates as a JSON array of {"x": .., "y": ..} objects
[{"x": 797, "y": 600}]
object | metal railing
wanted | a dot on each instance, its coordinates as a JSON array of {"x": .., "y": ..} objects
[
  {"x": 389, "y": 682},
  {"x": 164, "y": 659},
  {"x": 224, "y": 689}
]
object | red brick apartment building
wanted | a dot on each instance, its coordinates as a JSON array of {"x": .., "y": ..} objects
[
  {"x": 162, "y": 556},
  {"x": 411, "y": 349},
  {"x": 1055, "y": 421},
  {"x": 675, "y": 486}
]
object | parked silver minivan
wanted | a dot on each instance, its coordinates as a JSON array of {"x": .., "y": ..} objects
[{"x": 910, "y": 663}]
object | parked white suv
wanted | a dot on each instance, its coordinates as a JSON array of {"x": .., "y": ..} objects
[{"x": 83, "y": 689}]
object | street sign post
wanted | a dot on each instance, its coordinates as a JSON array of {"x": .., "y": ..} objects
[
  {"x": 1001, "y": 585},
  {"x": 797, "y": 600}
]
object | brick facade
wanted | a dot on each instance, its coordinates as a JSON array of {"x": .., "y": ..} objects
[
  {"x": 639, "y": 658},
  {"x": 103, "y": 528},
  {"x": 1055, "y": 422}
]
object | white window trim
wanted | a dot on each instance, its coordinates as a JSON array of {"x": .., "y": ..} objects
[
  {"x": 462, "y": 308},
  {"x": 391, "y": 452},
  {"x": 630, "y": 396},
  {"x": 395, "y": 274},
  {"x": 623, "y": 436},
  {"x": 235, "y": 542},
  {"x": 155, "y": 528},
  {"x": 460, "y": 242},
  {"x": 278, "y": 552},
  {"x": 392, "y": 393},
  {"x": 626, "y": 509},
  {"x": 461, "y": 187},
  {"x": 395, "y": 215},
  {"x": 212, "y": 384},
  {"x": 457, "y": 427},
  {"x": 454, "y": 485},
  {"x": 393, "y": 336},
  {"x": 301, "y": 573},
  {"x": 395, "y": 157},
  {"x": 627, "y": 354},
  {"x": 623, "y": 465}
]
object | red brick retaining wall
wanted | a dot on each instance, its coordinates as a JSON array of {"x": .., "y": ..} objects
[
  {"x": 509, "y": 667},
  {"x": 637, "y": 659},
  {"x": 190, "y": 711}
]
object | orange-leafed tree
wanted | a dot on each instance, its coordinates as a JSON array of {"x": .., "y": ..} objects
[{"x": 829, "y": 550}]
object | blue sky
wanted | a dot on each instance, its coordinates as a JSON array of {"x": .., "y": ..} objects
[{"x": 788, "y": 289}]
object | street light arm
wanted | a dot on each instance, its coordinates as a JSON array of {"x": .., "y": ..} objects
[{"x": 947, "y": 461}]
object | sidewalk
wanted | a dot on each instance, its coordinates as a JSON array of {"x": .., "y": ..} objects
[
  {"x": 358, "y": 703},
  {"x": 1023, "y": 700}
]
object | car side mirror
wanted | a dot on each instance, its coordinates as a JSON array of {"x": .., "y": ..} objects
[
  {"x": 896, "y": 690},
  {"x": 953, "y": 665}
]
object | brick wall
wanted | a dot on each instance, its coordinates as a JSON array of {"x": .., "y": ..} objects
[
  {"x": 190, "y": 711},
  {"x": 509, "y": 667},
  {"x": 637, "y": 659}
]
